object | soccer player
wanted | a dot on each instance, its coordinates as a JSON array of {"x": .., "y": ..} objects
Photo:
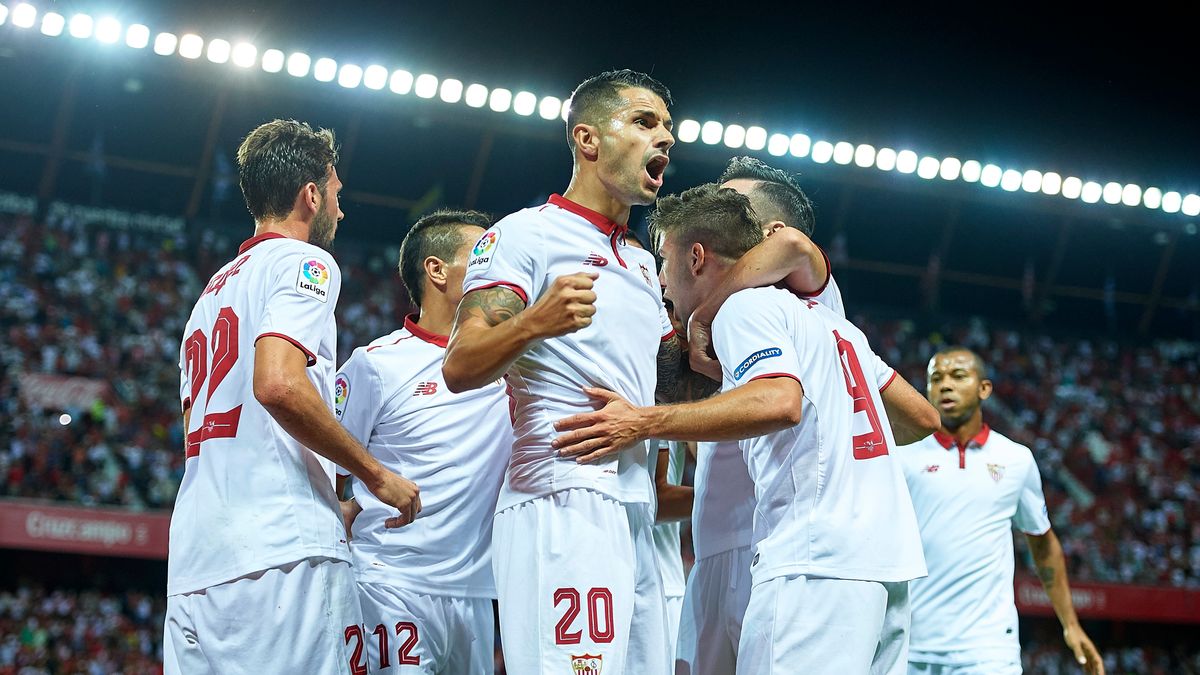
[
  {"x": 835, "y": 538},
  {"x": 258, "y": 571},
  {"x": 969, "y": 486},
  {"x": 557, "y": 300},
  {"x": 426, "y": 589}
]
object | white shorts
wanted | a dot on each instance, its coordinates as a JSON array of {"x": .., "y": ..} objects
[
  {"x": 674, "y": 605},
  {"x": 298, "y": 618},
  {"x": 714, "y": 605},
  {"x": 416, "y": 632},
  {"x": 980, "y": 668},
  {"x": 799, "y": 624},
  {"x": 579, "y": 587}
]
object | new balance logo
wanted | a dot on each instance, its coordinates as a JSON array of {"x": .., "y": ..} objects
[
  {"x": 595, "y": 260},
  {"x": 426, "y": 389},
  {"x": 932, "y": 468}
]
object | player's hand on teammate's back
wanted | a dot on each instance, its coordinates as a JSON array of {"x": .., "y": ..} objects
[
  {"x": 597, "y": 435},
  {"x": 350, "y": 511},
  {"x": 567, "y": 306},
  {"x": 1086, "y": 654},
  {"x": 401, "y": 493},
  {"x": 701, "y": 356}
]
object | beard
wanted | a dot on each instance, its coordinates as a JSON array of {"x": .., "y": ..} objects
[{"x": 320, "y": 232}]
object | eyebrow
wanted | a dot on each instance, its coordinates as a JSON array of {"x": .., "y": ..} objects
[{"x": 651, "y": 113}]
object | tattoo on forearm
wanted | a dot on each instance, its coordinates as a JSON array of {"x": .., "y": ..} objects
[
  {"x": 669, "y": 353},
  {"x": 493, "y": 305},
  {"x": 1046, "y": 574}
]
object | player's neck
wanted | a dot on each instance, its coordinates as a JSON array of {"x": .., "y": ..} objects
[
  {"x": 288, "y": 227},
  {"x": 590, "y": 193},
  {"x": 437, "y": 317},
  {"x": 967, "y": 430}
]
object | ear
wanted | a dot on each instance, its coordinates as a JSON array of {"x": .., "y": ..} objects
[
  {"x": 309, "y": 200},
  {"x": 435, "y": 271},
  {"x": 985, "y": 390},
  {"x": 773, "y": 227},
  {"x": 587, "y": 141},
  {"x": 697, "y": 256}
]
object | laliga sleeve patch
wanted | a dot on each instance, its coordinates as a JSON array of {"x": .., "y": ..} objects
[
  {"x": 481, "y": 255},
  {"x": 769, "y": 353},
  {"x": 341, "y": 392},
  {"x": 313, "y": 279}
]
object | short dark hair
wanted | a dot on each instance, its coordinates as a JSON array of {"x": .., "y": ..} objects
[
  {"x": 438, "y": 234},
  {"x": 778, "y": 195},
  {"x": 596, "y": 96},
  {"x": 981, "y": 369},
  {"x": 719, "y": 218},
  {"x": 277, "y": 159}
]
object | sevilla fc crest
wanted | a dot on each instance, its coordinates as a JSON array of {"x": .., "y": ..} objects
[
  {"x": 997, "y": 471},
  {"x": 646, "y": 273},
  {"x": 586, "y": 664}
]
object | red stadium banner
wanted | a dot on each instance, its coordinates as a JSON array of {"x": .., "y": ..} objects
[
  {"x": 114, "y": 532},
  {"x": 1112, "y": 601}
]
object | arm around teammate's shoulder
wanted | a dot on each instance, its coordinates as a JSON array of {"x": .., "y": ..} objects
[{"x": 911, "y": 416}]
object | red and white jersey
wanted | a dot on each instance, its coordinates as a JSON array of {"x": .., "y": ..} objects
[
  {"x": 252, "y": 497},
  {"x": 525, "y": 252},
  {"x": 391, "y": 396},
  {"x": 723, "y": 514},
  {"x": 831, "y": 500},
  {"x": 967, "y": 499}
]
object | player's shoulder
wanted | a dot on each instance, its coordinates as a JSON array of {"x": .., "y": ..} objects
[
  {"x": 751, "y": 300},
  {"x": 1003, "y": 445}
]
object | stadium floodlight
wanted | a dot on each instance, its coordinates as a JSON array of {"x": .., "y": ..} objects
[
  {"x": 244, "y": 55},
  {"x": 735, "y": 136},
  {"x": 1091, "y": 193},
  {"x": 298, "y": 64},
  {"x": 500, "y": 99},
  {"x": 1152, "y": 198},
  {"x": 350, "y": 75},
  {"x": 53, "y": 24},
  {"x": 164, "y": 44},
  {"x": 375, "y": 77},
  {"x": 777, "y": 145},
  {"x": 843, "y": 153},
  {"x": 80, "y": 26},
  {"x": 822, "y": 152},
  {"x": 1051, "y": 183},
  {"x": 1031, "y": 181},
  {"x": 218, "y": 50},
  {"x": 401, "y": 82},
  {"x": 1131, "y": 195},
  {"x": 990, "y": 176},
  {"x": 950, "y": 169},
  {"x": 476, "y": 95},
  {"x": 800, "y": 145},
  {"x": 928, "y": 168},
  {"x": 1191, "y": 205},
  {"x": 450, "y": 90},
  {"x": 1010, "y": 180},
  {"x": 972, "y": 171},
  {"x": 864, "y": 156},
  {"x": 906, "y": 161},
  {"x": 3, "y": 14},
  {"x": 524, "y": 103},
  {"x": 1172, "y": 202},
  {"x": 191, "y": 46},
  {"x": 273, "y": 60},
  {"x": 24, "y": 15},
  {"x": 108, "y": 30},
  {"x": 688, "y": 131},
  {"x": 137, "y": 36},
  {"x": 1112, "y": 193},
  {"x": 756, "y": 138},
  {"x": 885, "y": 159},
  {"x": 550, "y": 107},
  {"x": 566, "y": 110},
  {"x": 325, "y": 69},
  {"x": 711, "y": 132},
  {"x": 1072, "y": 187},
  {"x": 425, "y": 85}
]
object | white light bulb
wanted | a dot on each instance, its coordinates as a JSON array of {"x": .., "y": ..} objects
[
  {"x": 1011, "y": 180},
  {"x": 906, "y": 161},
  {"x": 64, "y": 419},
  {"x": 778, "y": 144},
  {"x": 244, "y": 55},
  {"x": 1112, "y": 193},
  {"x": 550, "y": 107},
  {"x": 928, "y": 168},
  {"x": 3, "y": 14},
  {"x": 108, "y": 30},
  {"x": 1072, "y": 187},
  {"x": 1031, "y": 181},
  {"x": 688, "y": 131},
  {"x": 425, "y": 86},
  {"x": 735, "y": 136},
  {"x": 325, "y": 69},
  {"x": 24, "y": 15},
  {"x": 1172, "y": 202},
  {"x": 864, "y": 156},
  {"x": 971, "y": 171},
  {"x": 990, "y": 176},
  {"x": 451, "y": 90},
  {"x": 273, "y": 60},
  {"x": 756, "y": 138},
  {"x": 524, "y": 103},
  {"x": 1131, "y": 195},
  {"x": 711, "y": 132},
  {"x": 164, "y": 44},
  {"x": 137, "y": 36},
  {"x": 500, "y": 100},
  {"x": 1152, "y": 198},
  {"x": 950, "y": 169},
  {"x": 1051, "y": 183},
  {"x": 191, "y": 46},
  {"x": 800, "y": 145},
  {"x": 476, "y": 95},
  {"x": 298, "y": 64},
  {"x": 350, "y": 76},
  {"x": 1191, "y": 205},
  {"x": 822, "y": 152},
  {"x": 218, "y": 51},
  {"x": 401, "y": 82},
  {"x": 843, "y": 153},
  {"x": 1091, "y": 192},
  {"x": 80, "y": 26},
  {"x": 885, "y": 159},
  {"x": 375, "y": 77},
  {"x": 53, "y": 24}
]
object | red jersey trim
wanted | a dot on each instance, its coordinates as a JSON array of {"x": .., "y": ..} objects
[
  {"x": 510, "y": 286},
  {"x": 947, "y": 441},
  {"x": 766, "y": 375},
  {"x": 312, "y": 359},
  {"x": 890, "y": 381},
  {"x": 258, "y": 239},
  {"x": 668, "y": 336},
  {"x": 410, "y": 323},
  {"x": 828, "y": 276},
  {"x": 601, "y": 221}
]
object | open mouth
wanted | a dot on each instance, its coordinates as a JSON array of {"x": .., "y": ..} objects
[
  {"x": 655, "y": 169},
  {"x": 946, "y": 403}
]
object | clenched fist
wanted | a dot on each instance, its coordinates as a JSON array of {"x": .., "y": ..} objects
[
  {"x": 400, "y": 493},
  {"x": 565, "y": 307}
]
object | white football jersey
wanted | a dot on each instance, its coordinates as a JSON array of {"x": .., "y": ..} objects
[
  {"x": 967, "y": 499},
  {"x": 252, "y": 497},
  {"x": 391, "y": 396},
  {"x": 723, "y": 514},
  {"x": 831, "y": 501},
  {"x": 525, "y": 252},
  {"x": 666, "y": 535}
]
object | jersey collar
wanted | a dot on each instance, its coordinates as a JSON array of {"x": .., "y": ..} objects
[
  {"x": 410, "y": 324},
  {"x": 257, "y": 239},
  {"x": 601, "y": 221},
  {"x": 947, "y": 441}
]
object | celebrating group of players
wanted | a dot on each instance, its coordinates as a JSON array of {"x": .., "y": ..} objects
[{"x": 502, "y": 444}]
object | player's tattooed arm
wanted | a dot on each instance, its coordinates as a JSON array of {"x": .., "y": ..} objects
[
  {"x": 1052, "y": 570},
  {"x": 670, "y": 352},
  {"x": 493, "y": 305}
]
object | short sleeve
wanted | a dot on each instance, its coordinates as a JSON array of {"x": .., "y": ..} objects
[
  {"x": 668, "y": 328},
  {"x": 1032, "y": 516},
  {"x": 299, "y": 306},
  {"x": 884, "y": 374},
  {"x": 752, "y": 339},
  {"x": 506, "y": 255},
  {"x": 831, "y": 296},
  {"x": 357, "y": 398}
]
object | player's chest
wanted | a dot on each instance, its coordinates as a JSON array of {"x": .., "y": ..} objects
[
  {"x": 421, "y": 405},
  {"x": 965, "y": 477}
]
